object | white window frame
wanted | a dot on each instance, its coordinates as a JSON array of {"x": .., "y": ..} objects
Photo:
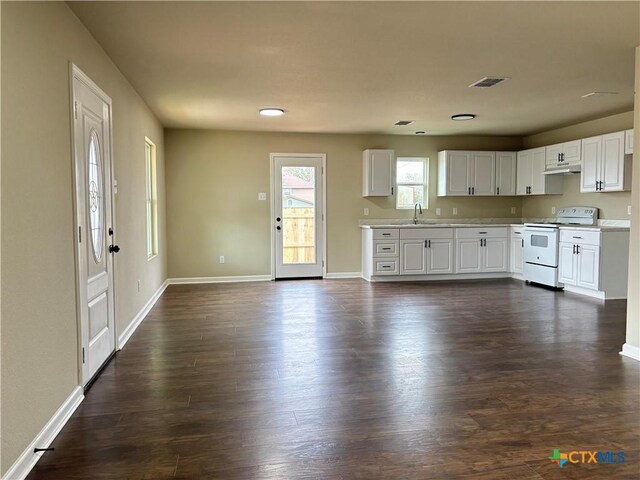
[
  {"x": 151, "y": 199},
  {"x": 425, "y": 178}
]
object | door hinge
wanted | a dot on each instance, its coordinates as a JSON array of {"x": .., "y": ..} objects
[
  {"x": 75, "y": 110},
  {"x": 83, "y": 361},
  {"x": 79, "y": 234}
]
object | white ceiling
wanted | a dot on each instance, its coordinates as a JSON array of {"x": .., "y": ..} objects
[{"x": 357, "y": 67}]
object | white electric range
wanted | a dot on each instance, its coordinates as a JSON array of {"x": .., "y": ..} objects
[{"x": 541, "y": 243}]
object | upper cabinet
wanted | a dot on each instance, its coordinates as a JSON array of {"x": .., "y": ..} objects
[
  {"x": 506, "y": 173},
  {"x": 531, "y": 179},
  {"x": 605, "y": 167},
  {"x": 563, "y": 154},
  {"x": 628, "y": 142},
  {"x": 465, "y": 173},
  {"x": 377, "y": 173}
]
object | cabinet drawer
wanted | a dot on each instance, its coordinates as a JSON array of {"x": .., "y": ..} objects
[
  {"x": 383, "y": 248},
  {"x": 424, "y": 233},
  {"x": 385, "y": 267},
  {"x": 517, "y": 232},
  {"x": 475, "y": 232},
  {"x": 580, "y": 236},
  {"x": 382, "y": 233}
]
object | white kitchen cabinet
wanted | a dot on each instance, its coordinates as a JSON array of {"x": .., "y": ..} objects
[
  {"x": 482, "y": 250},
  {"x": 426, "y": 251},
  {"x": 506, "y": 173},
  {"x": 594, "y": 262},
  {"x": 531, "y": 179},
  {"x": 628, "y": 142},
  {"x": 605, "y": 167},
  {"x": 465, "y": 173},
  {"x": 377, "y": 173},
  {"x": 563, "y": 154},
  {"x": 516, "y": 250},
  {"x": 380, "y": 252}
]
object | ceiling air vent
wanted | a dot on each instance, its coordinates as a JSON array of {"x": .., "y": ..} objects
[
  {"x": 488, "y": 82},
  {"x": 598, "y": 94},
  {"x": 402, "y": 123}
]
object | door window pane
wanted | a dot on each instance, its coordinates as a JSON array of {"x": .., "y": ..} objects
[
  {"x": 298, "y": 215},
  {"x": 96, "y": 196}
]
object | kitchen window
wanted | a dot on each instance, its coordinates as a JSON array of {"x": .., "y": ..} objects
[
  {"x": 151, "y": 198},
  {"x": 411, "y": 182}
]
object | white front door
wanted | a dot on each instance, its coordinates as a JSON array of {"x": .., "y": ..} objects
[
  {"x": 94, "y": 235},
  {"x": 298, "y": 215}
]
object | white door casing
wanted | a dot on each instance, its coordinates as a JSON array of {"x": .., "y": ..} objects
[
  {"x": 313, "y": 200},
  {"x": 93, "y": 201}
]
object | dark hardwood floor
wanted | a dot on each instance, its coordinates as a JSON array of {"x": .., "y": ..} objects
[{"x": 342, "y": 379}]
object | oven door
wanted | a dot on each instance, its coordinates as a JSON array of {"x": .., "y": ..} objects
[{"x": 541, "y": 246}]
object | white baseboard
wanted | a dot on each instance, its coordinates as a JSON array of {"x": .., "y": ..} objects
[
  {"x": 336, "y": 275},
  {"x": 137, "y": 320},
  {"x": 630, "y": 351},
  {"x": 195, "y": 280},
  {"x": 27, "y": 460}
]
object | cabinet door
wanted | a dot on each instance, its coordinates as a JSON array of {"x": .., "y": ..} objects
[
  {"x": 506, "y": 173},
  {"x": 538, "y": 178},
  {"x": 468, "y": 255},
  {"x": 628, "y": 142},
  {"x": 458, "y": 173},
  {"x": 571, "y": 152},
  {"x": 591, "y": 153},
  {"x": 517, "y": 259},
  {"x": 378, "y": 173},
  {"x": 495, "y": 255},
  {"x": 413, "y": 258},
  {"x": 612, "y": 162},
  {"x": 567, "y": 271},
  {"x": 483, "y": 173},
  {"x": 588, "y": 260},
  {"x": 552, "y": 155},
  {"x": 523, "y": 172},
  {"x": 440, "y": 256}
]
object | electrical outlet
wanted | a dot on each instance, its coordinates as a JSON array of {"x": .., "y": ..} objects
[
  {"x": 139, "y": 285},
  {"x": 366, "y": 211},
  {"x": 553, "y": 210},
  {"x": 513, "y": 210},
  {"x": 437, "y": 211},
  {"x": 221, "y": 258},
  {"x": 455, "y": 210},
  {"x": 628, "y": 209},
  {"x": 262, "y": 196}
]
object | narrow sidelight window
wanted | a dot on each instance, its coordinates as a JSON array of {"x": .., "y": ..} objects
[{"x": 151, "y": 198}]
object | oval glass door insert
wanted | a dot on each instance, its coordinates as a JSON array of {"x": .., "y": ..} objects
[{"x": 96, "y": 196}]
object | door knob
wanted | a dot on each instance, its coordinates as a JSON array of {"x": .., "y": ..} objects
[
  {"x": 278, "y": 227},
  {"x": 114, "y": 248},
  {"x": 278, "y": 219}
]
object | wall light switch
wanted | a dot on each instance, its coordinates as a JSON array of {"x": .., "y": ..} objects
[
  {"x": 455, "y": 210},
  {"x": 553, "y": 210},
  {"x": 262, "y": 196},
  {"x": 513, "y": 210},
  {"x": 628, "y": 209},
  {"x": 366, "y": 211},
  {"x": 437, "y": 211},
  {"x": 221, "y": 258}
]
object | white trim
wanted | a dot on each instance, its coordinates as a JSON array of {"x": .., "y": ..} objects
[
  {"x": 631, "y": 351},
  {"x": 140, "y": 316},
  {"x": 28, "y": 459},
  {"x": 336, "y": 275},
  {"x": 230, "y": 279},
  {"x": 589, "y": 293}
]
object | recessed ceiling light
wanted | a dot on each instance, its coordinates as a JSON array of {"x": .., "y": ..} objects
[
  {"x": 598, "y": 94},
  {"x": 463, "y": 116},
  {"x": 402, "y": 123},
  {"x": 271, "y": 112},
  {"x": 420, "y": 132}
]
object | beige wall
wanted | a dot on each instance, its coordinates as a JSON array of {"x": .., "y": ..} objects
[
  {"x": 633, "y": 305},
  {"x": 39, "y": 327},
  {"x": 611, "y": 205},
  {"x": 213, "y": 180}
]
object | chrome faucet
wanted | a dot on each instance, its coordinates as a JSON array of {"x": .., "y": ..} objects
[{"x": 415, "y": 213}]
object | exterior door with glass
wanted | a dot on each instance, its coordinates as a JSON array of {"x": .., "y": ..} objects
[
  {"x": 298, "y": 222},
  {"x": 94, "y": 231}
]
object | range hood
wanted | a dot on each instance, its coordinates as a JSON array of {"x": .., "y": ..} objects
[{"x": 568, "y": 170}]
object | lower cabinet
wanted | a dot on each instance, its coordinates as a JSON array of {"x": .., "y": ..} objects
[
  {"x": 516, "y": 258},
  {"x": 426, "y": 251},
  {"x": 579, "y": 259},
  {"x": 482, "y": 250}
]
